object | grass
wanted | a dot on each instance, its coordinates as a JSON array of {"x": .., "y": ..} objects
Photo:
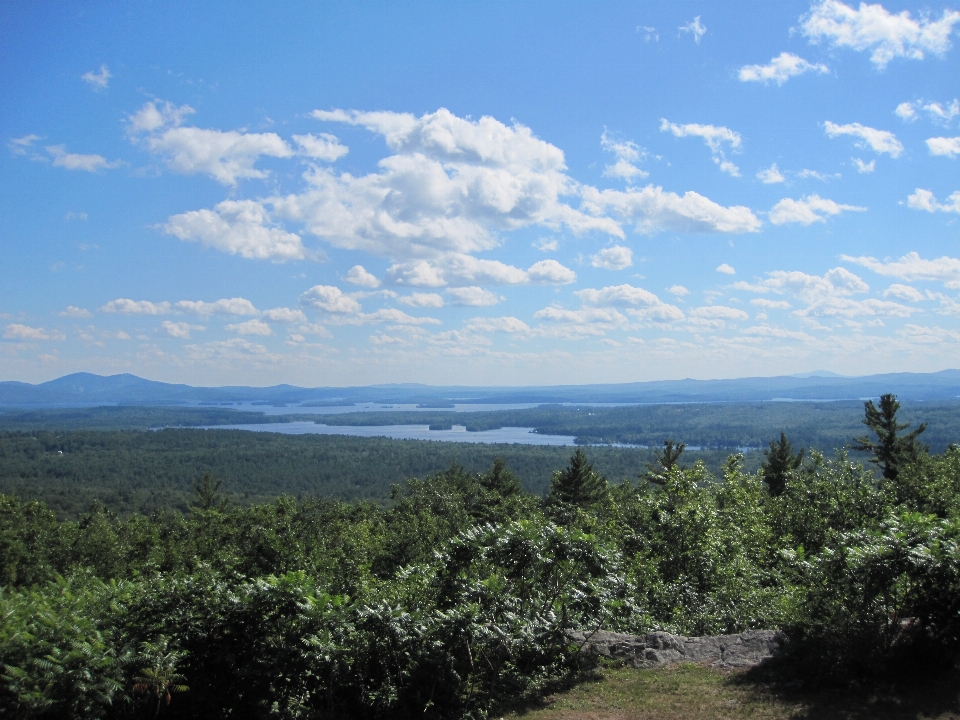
[{"x": 695, "y": 691}]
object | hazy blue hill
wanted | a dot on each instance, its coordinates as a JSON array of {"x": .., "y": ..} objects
[{"x": 82, "y": 389}]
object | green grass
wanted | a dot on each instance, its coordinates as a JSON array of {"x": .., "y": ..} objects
[{"x": 695, "y": 691}]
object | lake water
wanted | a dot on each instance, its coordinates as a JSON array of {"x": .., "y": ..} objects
[
  {"x": 406, "y": 407},
  {"x": 518, "y": 435}
]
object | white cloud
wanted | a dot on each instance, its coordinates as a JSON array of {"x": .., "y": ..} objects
[
  {"x": 250, "y": 327},
  {"x": 550, "y": 272},
  {"x": 544, "y": 245},
  {"x": 653, "y": 210},
  {"x": 944, "y": 146},
  {"x": 284, "y": 315},
  {"x": 330, "y": 299},
  {"x": 226, "y": 156},
  {"x": 822, "y": 177},
  {"x": 714, "y": 136},
  {"x": 726, "y": 269},
  {"x": 16, "y": 331},
  {"x": 75, "y": 161},
  {"x": 770, "y": 176},
  {"x": 150, "y": 117},
  {"x": 19, "y": 146},
  {"x": 903, "y": 292},
  {"x": 431, "y": 300},
  {"x": 617, "y": 257},
  {"x": 75, "y": 312},
  {"x": 136, "y": 307},
  {"x": 649, "y": 33},
  {"x": 906, "y": 112},
  {"x": 231, "y": 306},
  {"x": 321, "y": 147},
  {"x": 695, "y": 28},
  {"x": 771, "y": 304},
  {"x": 880, "y": 141},
  {"x": 501, "y": 324},
  {"x": 97, "y": 80},
  {"x": 179, "y": 329},
  {"x": 863, "y": 167},
  {"x": 586, "y": 321},
  {"x": 627, "y": 153},
  {"x": 780, "y": 69},
  {"x": 238, "y": 227},
  {"x": 807, "y": 210},
  {"x": 925, "y": 200},
  {"x": 718, "y": 312},
  {"x": 450, "y": 187},
  {"x": 912, "y": 267},
  {"x": 939, "y": 113},
  {"x": 473, "y": 296},
  {"x": 678, "y": 290},
  {"x": 385, "y": 315},
  {"x": 872, "y": 27},
  {"x": 358, "y": 275},
  {"x": 640, "y": 303}
]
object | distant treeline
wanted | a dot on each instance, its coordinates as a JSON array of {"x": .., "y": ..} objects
[{"x": 726, "y": 426}]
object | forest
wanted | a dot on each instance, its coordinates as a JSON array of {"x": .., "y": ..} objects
[{"x": 455, "y": 598}]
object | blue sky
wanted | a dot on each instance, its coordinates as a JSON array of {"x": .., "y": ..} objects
[{"x": 478, "y": 192}]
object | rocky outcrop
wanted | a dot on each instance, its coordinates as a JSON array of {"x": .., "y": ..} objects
[{"x": 659, "y": 648}]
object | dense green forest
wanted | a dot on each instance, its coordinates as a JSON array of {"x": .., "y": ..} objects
[
  {"x": 822, "y": 425},
  {"x": 141, "y": 471},
  {"x": 456, "y": 600}
]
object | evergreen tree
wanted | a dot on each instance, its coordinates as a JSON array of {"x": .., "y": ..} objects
[
  {"x": 577, "y": 484},
  {"x": 208, "y": 495},
  {"x": 779, "y": 461},
  {"x": 500, "y": 479},
  {"x": 891, "y": 451},
  {"x": 666, "y": 462}
]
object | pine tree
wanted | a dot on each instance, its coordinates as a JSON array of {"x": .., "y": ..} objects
[
  {"x": 891, "y": 451},
  {"x": 780, "y": 460},
  {"x": 500, "y": 479},
  {"x": 666, "y": 462},
  {"x": 577, "y": 484}
]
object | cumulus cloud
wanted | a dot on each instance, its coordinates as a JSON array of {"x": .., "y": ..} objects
[
  {"x": 473, "y": 296},
  {"x": 807, "y": 210},
  {"x": 500, "y": 324},
  {"x": 815, "y": 175},
  {"x": 638, "y": 302},
  {"x": 617, "y": 257},
  {"x": 695, "y": 28},
  {"x": 545, "y": 245},
  {"x": 431, "y": 300},
  {"x": 226, "y": 306},
  {"x": 944, "y": 146},
  {"x": 654, "y": 210},
  {"x": 771, "y": 304},
  {"x": 75, "y": 312},
  {"x": 864, "y": 167},
  {"x": 321, "y": 147},
  {"x": 582, "y": 322},
  {"x": 718, "y": 312},
  {"x": 284, "y": 315},
  {"x": 911, "y": 267},
  {"x": 925, "y": 200},
  {"x": 330, "y": 299},
  {"x": 780, "y": 69},
  {"x": 726, "y": 269},
  {"x": 903, "y": 292},
  {"x": 76, "y": 161},
  {"x": 678, "y": 290},
  {"x": 238, "y": 227},
  {"x": 136, "y": 307},
  {"x": 226, "y": 156},
  {"x": 97, "y": 80},
  {"x": 872, "y": 27},
  {"x": 250, "y": 327},
  {"x": 550, "y": 272},
  {"x": 627, "y": 153},
  {"x": 880, "y": 141},
  {"x": 714, "y": 136},
  {"x": 771, "y": 175},
  {"x": 358, "y": 275},
  {"x": 940, "y": 113},
  {"x": 17, "y": 331},
  {"x": 179, "y": 330}
]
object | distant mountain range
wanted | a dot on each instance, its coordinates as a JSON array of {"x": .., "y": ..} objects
[{"x": 86, "y": 389}]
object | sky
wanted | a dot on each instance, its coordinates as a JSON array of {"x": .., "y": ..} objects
[{"x": 478, "y": 193}]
